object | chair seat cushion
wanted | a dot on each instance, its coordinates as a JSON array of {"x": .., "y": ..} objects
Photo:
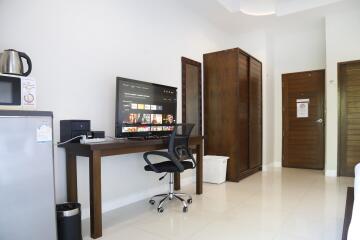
[{"x": 169, "y": 166}]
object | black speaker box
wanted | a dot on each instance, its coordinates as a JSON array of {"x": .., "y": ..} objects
[{"x": 73, "y": 128}]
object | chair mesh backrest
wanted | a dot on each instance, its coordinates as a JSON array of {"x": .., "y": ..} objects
[{"x": 180, "y": 136}]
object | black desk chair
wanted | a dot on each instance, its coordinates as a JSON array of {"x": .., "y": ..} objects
[{"x": 178, "y": 150}]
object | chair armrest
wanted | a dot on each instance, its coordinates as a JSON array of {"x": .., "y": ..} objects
[
  {"x": 192, "y": 157},
  {"x": 162, "y": 154},
  {"x": 188, "y": 152}
]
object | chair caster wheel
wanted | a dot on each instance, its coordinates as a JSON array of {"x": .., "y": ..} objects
[
  {"x": 189, "y": 201},
  {"x": 152, "y": 202},
  {"x": 185, "y": 209},
  {"x": 160, "y": 210}
]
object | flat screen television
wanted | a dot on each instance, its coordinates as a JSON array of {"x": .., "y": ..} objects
[{"x": 144, "y": 109}]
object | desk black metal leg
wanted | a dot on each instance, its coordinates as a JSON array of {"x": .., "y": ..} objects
[
  {"x": 95, "y": 194},
  {"x": 199, "y": 168},
  {"x": 71, "y": 177}
]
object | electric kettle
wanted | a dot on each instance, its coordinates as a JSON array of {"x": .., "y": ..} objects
[{"x": 11, "y": 63}]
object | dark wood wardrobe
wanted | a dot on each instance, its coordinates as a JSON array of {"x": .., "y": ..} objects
[{"x": 233, "y": 110}]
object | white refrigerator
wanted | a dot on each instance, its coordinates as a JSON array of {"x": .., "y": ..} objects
[{"x": 27, "y": 194}]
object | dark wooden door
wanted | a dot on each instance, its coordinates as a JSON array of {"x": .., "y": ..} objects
[
  {"x": 303, "y": 119},
  {"x": 192, "y": 94},
  {"x": 349, "y": 119},
  {"x": 255, "y": 113}
]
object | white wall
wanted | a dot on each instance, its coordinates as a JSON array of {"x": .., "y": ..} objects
[
  {"x": 294, "y": 50},
  {"x": 282, "y": 49},
  {"x": 79, "y": 47},
  {"x": 342, "y": 44},
  {"x": 309, "y": 47},
  {"x": 269, "y": 102}
]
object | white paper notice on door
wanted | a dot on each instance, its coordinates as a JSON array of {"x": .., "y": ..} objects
[{"x": 302, "y": 108}]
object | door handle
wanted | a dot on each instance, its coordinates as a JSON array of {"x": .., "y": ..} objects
[{"x": 320, "y": 120}]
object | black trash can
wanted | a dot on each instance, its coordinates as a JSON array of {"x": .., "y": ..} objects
[{"x": 69, "y": 221}]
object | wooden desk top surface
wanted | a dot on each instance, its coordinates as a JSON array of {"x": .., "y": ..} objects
[{"x": 114, "y": 147}]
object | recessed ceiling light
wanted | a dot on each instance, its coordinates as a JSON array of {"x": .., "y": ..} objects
[
  {"x": 257, "y": 13},
  {"x": 251, "y": 7}
]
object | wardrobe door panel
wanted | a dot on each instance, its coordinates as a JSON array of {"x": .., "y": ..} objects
[
  {"x": 255, "y": 113},
  {"x": 221, "y": 107},
  {"x": 242, "y": 123}
]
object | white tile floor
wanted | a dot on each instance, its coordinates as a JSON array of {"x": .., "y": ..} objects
[{"x": 278, "y": 204}]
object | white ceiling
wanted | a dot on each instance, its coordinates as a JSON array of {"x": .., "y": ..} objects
[
  {"x": 292, "y": 13},
  {"x": 285, "y": 7},
  {"x": 268, "y": 7}
]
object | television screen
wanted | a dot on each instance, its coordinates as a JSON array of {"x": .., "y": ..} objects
[{"x": 144, "y": 109}]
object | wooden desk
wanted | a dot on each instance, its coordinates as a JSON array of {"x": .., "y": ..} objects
[{"x": 95, "y": 151}]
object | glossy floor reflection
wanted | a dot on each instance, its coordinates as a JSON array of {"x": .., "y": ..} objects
[{"x": 277, "y": 204}]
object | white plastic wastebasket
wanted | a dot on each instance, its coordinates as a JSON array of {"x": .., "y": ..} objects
[{"x": 215, "y": 169}]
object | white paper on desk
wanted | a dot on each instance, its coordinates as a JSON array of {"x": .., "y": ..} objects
[{"x": 302, "y": 108}]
